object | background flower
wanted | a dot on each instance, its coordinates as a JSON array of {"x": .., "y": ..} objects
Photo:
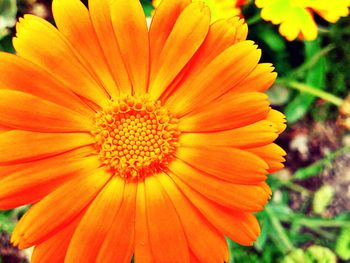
[
  {"x": 296, "y": 18},
  {"x": 220, "y": 9}
]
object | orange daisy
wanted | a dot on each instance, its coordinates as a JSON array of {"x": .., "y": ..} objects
[{"x": 134, "y": 142}]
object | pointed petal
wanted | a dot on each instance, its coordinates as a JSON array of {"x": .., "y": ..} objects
[
  {"x": 12, "y": 66},
  {"x": 143, "y": 253},
  {"x": 230, "y": 164},
  {"x": 240, "y": 227},
  {"x": 23, "y": 146},
  {"x": 41, "y": 43},
  {"x": 219, "y": 76},
  {"x": 187, "y": 35},
  {"x": 229, "y": 112},
  {"x": 163, "y": 21},
  {"x": 250, "y": 198},
  {"x": 23, "y": 111},
  {"x": 221, "y": 35},
  {"x": 96, "y": 223},
  {"x": 254, "y": 135},
  {"x": 118, "y": 245},
  {"x": 37, "y": 179},
  {"x": 278, "y": 119},
  {"x": 73, "y": 21},
  {"x": 272, "y": 155},
  {"x": 100, "y": 12},
  {"x": 167, "y": 237},
  {"x": 131, "y": 31},
  {"x": 60, "y": 207},
  {"x": 201, "y": 235},
  {"x": 53, "y": 250},
  {"x": 260, "y": 79}
]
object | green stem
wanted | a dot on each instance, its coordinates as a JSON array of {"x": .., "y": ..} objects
[
  {"x": 313, "y": 91},
  {"x": 323, "y": 223},
  {"x": 321, "y": 232},
  {"x": 297, "y": 188},
  {"x": 253, "y": 20},
  {"x": 287, "y": 244},
  {"x": 313, "y": 60}
]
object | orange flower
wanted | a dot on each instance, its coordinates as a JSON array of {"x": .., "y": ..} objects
[
  {"x": 134, "y": 142},
  {"x": 295, "y": 17},
  {"x": 220, "y": 9}
]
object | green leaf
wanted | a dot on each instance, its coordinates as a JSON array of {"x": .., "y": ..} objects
[
  {"x": 315, "y": 77},
  {"x": 274, "y": 40},
  {"x": 147, "y": 7},
  {"x": 261, "y": 241},
  {"x": 7, "y": 221},
  {"x": 322, "y": 199},
  {"x": 309, "y": 171},
  {"x": 342, "y": 247}
]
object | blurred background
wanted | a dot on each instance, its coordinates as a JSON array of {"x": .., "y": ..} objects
[{"x": 308, "y": 218}]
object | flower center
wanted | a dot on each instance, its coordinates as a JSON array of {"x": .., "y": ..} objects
[{"x": 135, "y": 137}]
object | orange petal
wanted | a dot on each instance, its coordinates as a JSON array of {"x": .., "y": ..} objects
[
  {"x": 96, "y": 223},
  {"x": 216, "y": 78},
  {"x": 11, "y": 66},
  {"x": 4, "y": 128},
  {"x": 251, "y": 198},
  {"x": 163, "y": 21},
  {"x": 35, "y": 180},
  {"x": 27, "y": 112},
  {"x": 23, "y": 146},
  {"x": 241, "y": 28},
  {"x": 201, "y": 235},
  {"x": 272, "y": 155},
  {"x": 81, "y": 152},
  {"x": 100, "y": 12},
  {"x": 41, "y": 43},
  {"x": 73, "y": 21},
  {"x": 143, "y": 253},
  {"x": 240, "y": 227},
  {"x": 118, "y": 245},
  {"x": 131, "y": 31},
  {"x": 229, "y": 112},
  {"x": 278, "y": 118},
  {"x": 260, "y": 79},
  {"x": 221, "y": 35},
  {"x": 187, "y": 35},
  {"x": 230, "y": 164},
  {"x": 60, "y": 207},
  {"x": 254, "y": 135},
  {"x": 166, "y": 234},
  {"x": 53, "y": 250}
]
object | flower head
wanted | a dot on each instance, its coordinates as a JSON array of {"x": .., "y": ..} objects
[
  {"x": 295, "y": 17},
  {"x": 220, "y": 9},
  {"x": 127, "y": 141}
]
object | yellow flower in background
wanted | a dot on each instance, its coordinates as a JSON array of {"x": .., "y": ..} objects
[
  {"x": 220, "y": 9},
  {"x": 295, "y": 17}
]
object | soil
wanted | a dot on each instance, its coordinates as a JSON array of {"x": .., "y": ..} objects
[{"x": 9, "y": 254}]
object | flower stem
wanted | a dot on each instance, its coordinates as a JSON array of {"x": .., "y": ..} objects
[
  {"x": 253, "y": 20},
  {"x": 313, "y": 91},
  {"x": 286, "y": 243},
  {"x": 313, "y": 223}
]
